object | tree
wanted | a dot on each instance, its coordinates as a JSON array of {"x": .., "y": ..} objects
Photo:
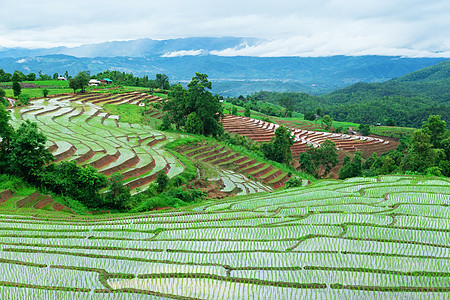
[
  {"x": 322, "y": 157},
  {"x": 351, "y": 168},
  {"x": 279, "y": 148},
  {"x": 288, "y": 103},
  {"x": 390, "y": 122},
  {"x": 310, "y": 116},
  {"x": 17, "y": 77},
  {"x": 162, "y": 180},
  {"x": 45, "y": 92},
  {"x": 17, "y": 89},
  {"x": 6, "y": 135},
  {"x": 319, "y": 112},
  {"x": 162, "y": 81},
  {"x": 421, "y": 155},
  {"x": 196, "y": 98},
  {"x": 118, "y": 195},
  {"x": 327, "y": 121},
  {"x": 55, "y": 76},
  {"x": 194, "y": 124},
  {"x": 364, "y": 129},
  {"x": 2, "y": 97},
  {"x": 247, "y": 112},
  {"x": 27, "y": 150},
  {"x": 435, "y": 128},
  {"x": 234, "y": 111},
  {"x": 80, "y": 81}
]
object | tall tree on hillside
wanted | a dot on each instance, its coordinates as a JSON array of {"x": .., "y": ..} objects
[
  {"x": 196, "y": 98},
  {"x": 6, "y": 135},
  {"x": 17, "y": 89},
  {"x": 324, "y": 157},
  {"x": 288, "y": 103},
  {"x": 279, "y": 148},
  {"x": 162, "y": 81},
  {"x": 436, "y": 129},
  {"x": 27, "y": 150},
  {"x": 80, "y": 81},
  {"x": 327, "y": 121}
]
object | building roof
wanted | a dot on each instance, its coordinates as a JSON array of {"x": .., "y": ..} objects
[{"x": 107, "y": 79}]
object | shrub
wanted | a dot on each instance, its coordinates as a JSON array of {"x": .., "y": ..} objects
[{"x": 293, "y": 182}]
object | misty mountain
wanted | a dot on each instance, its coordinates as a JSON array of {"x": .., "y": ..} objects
[
  {"x": 138, "y": 48},
  {"x": 231, "y": 76}
]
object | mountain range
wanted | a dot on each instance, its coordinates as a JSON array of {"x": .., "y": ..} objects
[{"x": 231, "y": 76}]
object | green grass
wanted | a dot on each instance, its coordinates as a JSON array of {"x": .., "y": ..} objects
[
  {"x": 130, "y": 113},
  {"x": 391, "y": 131},
  {"x": 38, "y": 92}
]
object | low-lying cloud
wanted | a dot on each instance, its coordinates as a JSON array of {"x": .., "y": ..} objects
[{"x": 292, "y": 28}]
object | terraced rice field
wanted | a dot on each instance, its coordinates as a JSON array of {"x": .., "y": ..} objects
[
  {"x": 79, "y": 130},
  {"x": 262, "y": 131},
  {"x": 363, "y": 238},
  {"x": 220, "y": 157}
]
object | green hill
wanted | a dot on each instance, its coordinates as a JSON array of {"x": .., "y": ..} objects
[
  {"x": 363, "y": 238},
  {"x": 408, "y": 100}
]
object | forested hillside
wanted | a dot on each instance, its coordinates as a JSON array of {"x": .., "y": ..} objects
[{"x": 408, "y": 100}]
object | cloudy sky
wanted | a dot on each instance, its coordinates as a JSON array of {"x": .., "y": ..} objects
[{"x": 291, "y": 27}]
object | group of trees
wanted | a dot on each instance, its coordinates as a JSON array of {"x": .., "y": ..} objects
[
  {"x": 23, "y": 154},
  {"x": 279, "y": 148},
  {"x": 161, "y": 81},
  {"x": 428, "y": 152},
  {"x": 8, "y": 77},
  {"x": 363, "y": 103},
  {"x": 318, "y": 161},
  {"x": 195, "y": 109}
]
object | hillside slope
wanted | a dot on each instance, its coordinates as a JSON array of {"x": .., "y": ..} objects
[
  {"x": 235, "y": 75},
  {"x": 363, "y": 238}
]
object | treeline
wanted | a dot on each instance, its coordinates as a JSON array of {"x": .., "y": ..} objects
[
  {"x": 357, "y": 106},
  {"x": 161, "y": 81},
  {"x": 427, "y": 153}
]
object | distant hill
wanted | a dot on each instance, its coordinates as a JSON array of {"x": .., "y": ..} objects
[
  {"x": 407, "y": 100},
  {"x": 231, "y": 76}
]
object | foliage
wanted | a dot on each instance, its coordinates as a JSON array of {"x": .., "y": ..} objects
[
  {"x": 24, "y": 99},
  {"x": 80, "y": 183},
  {"x": 162, "y": 81},
  {"x": 293, "y": 182},
  {"x": 435, "y": 128},
  {"x": 182, "y": 102},
  {"x": 122, "y": 78},
  {"x": 310, "y": 116},
  {"x": 247, "y": 112},
  {"x": 162, "y": 181},
  {"x": 6, "y": 135},
  {"x": 28, "y": 153},
  {"x": 80, "y": 81},
  {"x": 17, "y": 89},
  {"x": 351, "y": 168},
  {"x": 323, "y": 157},
  {"x": 118, "y": 196},
  {"x": 279, "y": 148},
  {"x": 194, "y": 124},
  {"x": 175, "y": 197},
  {"x": 327, "y": 121},
  {"x": 364, "y": 129},
  {"x": 45, "y": 92},
  {"x": 288, "y": 103}
]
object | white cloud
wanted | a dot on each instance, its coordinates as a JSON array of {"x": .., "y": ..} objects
[
  {"x": 303, "y": 27},
  {"x": 184, "y": 53}
]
